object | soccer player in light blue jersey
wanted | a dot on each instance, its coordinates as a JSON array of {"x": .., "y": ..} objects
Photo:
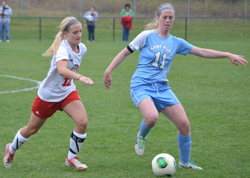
[{"x": 149, "y": 88}]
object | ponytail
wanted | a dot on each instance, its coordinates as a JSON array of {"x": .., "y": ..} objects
[
  {"x": 55, "y": 45},
  {"x": 64, "y": 26}
]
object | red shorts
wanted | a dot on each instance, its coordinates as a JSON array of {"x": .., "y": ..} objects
[{"x": 44, "y": 110}]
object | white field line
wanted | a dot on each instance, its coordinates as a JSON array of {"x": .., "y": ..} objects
[{"x": 20, "y": 78}]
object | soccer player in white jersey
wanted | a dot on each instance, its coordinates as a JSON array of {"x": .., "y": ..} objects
[
  {"x": 58, "y": 92},
  {"x": 149, "y": 87}
]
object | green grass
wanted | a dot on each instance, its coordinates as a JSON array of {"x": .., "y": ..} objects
[
  {"x": 214, "y": 93},
  {"x": 211, "y": 29}
]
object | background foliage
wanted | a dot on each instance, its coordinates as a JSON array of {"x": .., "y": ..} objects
[{"x": 110, "y": 8}]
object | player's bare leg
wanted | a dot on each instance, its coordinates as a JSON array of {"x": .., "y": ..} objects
[
  {"x": 150, "y": 114},
  {"x": 77, "y": 112},
  {"x": 21, "y": 137}
]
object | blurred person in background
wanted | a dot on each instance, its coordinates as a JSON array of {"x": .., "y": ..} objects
[
  {"x": 127, "y": 15},
  {"x": 90, "y": 21},
  {"x": 58, "y": 92},
  {"x": 5, "y": 13}
]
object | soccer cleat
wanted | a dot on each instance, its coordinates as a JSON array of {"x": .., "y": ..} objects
[
  {"x": 140, "y": 145},
  {"x": 75, "y": 163},
  {"x": 8, "y": 157},
  {"x": 190, "y": 165}
]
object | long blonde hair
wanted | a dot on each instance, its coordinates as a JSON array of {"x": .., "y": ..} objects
[
  {"x": 155, "y": 24},
  {"x": 58, "y": 38}
]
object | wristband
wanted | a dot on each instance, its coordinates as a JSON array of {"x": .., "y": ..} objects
[{"x": 79, "y": 77}]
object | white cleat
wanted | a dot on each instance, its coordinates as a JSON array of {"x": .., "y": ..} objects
[
  {"x": 190, "y": 165},
  {"x": 140, "y": 145},
  {"x": 8, "y": 157},
  {"x": 74, "y": 162}
]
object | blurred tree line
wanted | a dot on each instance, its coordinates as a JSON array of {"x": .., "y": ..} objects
[{"x": 112, "y": 8}]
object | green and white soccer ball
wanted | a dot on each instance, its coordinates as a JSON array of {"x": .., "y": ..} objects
[{"x": 164, "y": 165}]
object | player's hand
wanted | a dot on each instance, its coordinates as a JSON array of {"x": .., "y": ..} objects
[
  {"x": 86, "y": 80},
  {"x": 235, "y": 59},
  {"x": 107, "y": 80}
]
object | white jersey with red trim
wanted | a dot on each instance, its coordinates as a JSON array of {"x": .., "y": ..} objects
[{"x": 55, "y": 88}]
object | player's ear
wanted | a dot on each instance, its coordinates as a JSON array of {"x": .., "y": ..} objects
[
  {"x": 64, "y": 32},
  {"x": 157, "y": 17}
]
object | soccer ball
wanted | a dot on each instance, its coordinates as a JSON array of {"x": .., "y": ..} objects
[{"x": 164, "y": 165}]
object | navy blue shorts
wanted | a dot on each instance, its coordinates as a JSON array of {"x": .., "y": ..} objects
[{"x": 160, "y": 93}]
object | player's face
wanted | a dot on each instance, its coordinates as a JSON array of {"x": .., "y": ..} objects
[
  {"x": 166, "y": 19},
  {"x": 74, "y": 34}
]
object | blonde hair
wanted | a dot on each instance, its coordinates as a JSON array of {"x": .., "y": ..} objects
[
  {"x": 58, "y": 38},
  {"x": 155, "y": 24}
]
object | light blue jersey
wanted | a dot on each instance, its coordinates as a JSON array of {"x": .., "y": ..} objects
[{"x": 156, "y": 55}]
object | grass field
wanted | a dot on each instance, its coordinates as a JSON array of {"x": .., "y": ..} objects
[
  {"x": 109, "y": 29},
  {"x": 214, "y": 93}
]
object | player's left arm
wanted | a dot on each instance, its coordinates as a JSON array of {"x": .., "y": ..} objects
[{"x": 209, "y": 53}]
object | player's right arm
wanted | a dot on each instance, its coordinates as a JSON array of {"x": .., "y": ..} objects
[
  {"x": 135, "y": 45},
  {"x": 116, "y": 61},
  {"x": 65, "y": 72}
]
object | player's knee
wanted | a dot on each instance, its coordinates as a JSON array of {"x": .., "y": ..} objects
[
  {"x": 152, "y": 118},
  {"x": 185, "y": 128},
  {"x": 83, "y": 122}
]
